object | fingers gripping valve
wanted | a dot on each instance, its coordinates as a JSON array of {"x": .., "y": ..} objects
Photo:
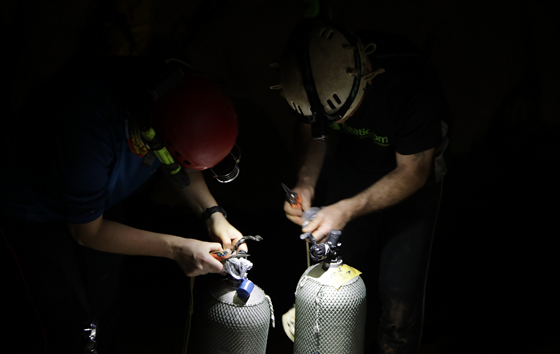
[
  {"x": 327, "y": 252},
  {"x": 237, "y": 267}
]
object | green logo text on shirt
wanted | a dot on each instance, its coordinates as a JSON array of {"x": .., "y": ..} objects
[{"x": 362, "y": 133}]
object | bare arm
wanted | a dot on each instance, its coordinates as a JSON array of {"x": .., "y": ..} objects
[
  {"x": 312, "y": 154},
  {"x": 411, "y": 173},
  {"x": 196, "y": 195},
  {"x": 108, "y": 236},
  {"x": 192, "y": 255},
  {"x": 198, "y": 198}
]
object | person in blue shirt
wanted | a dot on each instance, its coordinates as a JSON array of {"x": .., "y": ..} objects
[{"x": 87, "y": 139}]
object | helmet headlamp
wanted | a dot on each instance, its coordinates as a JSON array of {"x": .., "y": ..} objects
[{"x": 227, "y": 170}]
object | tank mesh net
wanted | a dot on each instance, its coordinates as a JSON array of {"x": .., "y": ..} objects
[
  {"x": 221, "y": 328},
  {"x": 330, "y": 321}
]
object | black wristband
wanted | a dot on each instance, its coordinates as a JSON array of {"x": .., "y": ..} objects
[{"x": 215, "y": 209}]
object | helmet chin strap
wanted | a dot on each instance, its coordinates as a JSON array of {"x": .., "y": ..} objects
[{"x": 319, "y": 130}]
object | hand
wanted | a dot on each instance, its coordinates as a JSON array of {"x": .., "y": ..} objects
[
  {"x": 220, "y": 230},
  {"x": 294, "y": 212},
  {"x": 334, "y": 216},
  {"x": 193, "y": 256}
]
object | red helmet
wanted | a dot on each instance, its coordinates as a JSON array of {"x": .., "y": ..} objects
[{"x": 196, "y": 122}]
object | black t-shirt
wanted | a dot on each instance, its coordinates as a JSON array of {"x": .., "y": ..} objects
[{"x": 402, "y": 110}]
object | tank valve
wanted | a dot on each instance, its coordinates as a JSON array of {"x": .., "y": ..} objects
[
  {"x": 328, "y": 251},
  {"x": 237, "y": 266}
]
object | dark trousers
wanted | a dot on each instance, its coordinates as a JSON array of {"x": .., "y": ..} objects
[
  {"x": 392, "y": 250},
  {"x": 61, "y": 285}
]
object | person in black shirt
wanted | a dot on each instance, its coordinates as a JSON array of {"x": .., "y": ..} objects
[{"x": 385, "y": 114}]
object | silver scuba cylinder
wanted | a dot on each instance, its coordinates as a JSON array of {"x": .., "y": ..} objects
[
  {"x": 235, "y": 316},
  {"x": 226, "y": 324},
  {"x": 330, "y": 306}
]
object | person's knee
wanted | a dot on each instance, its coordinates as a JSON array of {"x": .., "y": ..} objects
[{"x": 400, "y": 326}]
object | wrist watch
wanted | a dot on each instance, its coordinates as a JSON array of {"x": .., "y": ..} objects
[{"x": 209, "y": 211}]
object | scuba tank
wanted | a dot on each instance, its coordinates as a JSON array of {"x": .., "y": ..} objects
[
  {"x": 236, "y": 314},
  {"x": 330, "y": 303}
]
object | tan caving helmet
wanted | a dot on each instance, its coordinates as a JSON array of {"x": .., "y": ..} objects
[{"x": 323, "y": 72}]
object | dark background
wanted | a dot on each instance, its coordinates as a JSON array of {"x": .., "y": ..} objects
[{"x": 494, "y": 271}]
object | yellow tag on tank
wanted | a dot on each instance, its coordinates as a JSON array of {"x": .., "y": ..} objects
[{"x": 335, "y": 277}]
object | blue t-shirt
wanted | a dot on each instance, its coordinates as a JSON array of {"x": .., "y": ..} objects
[{"x": 76, "y": 161}]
